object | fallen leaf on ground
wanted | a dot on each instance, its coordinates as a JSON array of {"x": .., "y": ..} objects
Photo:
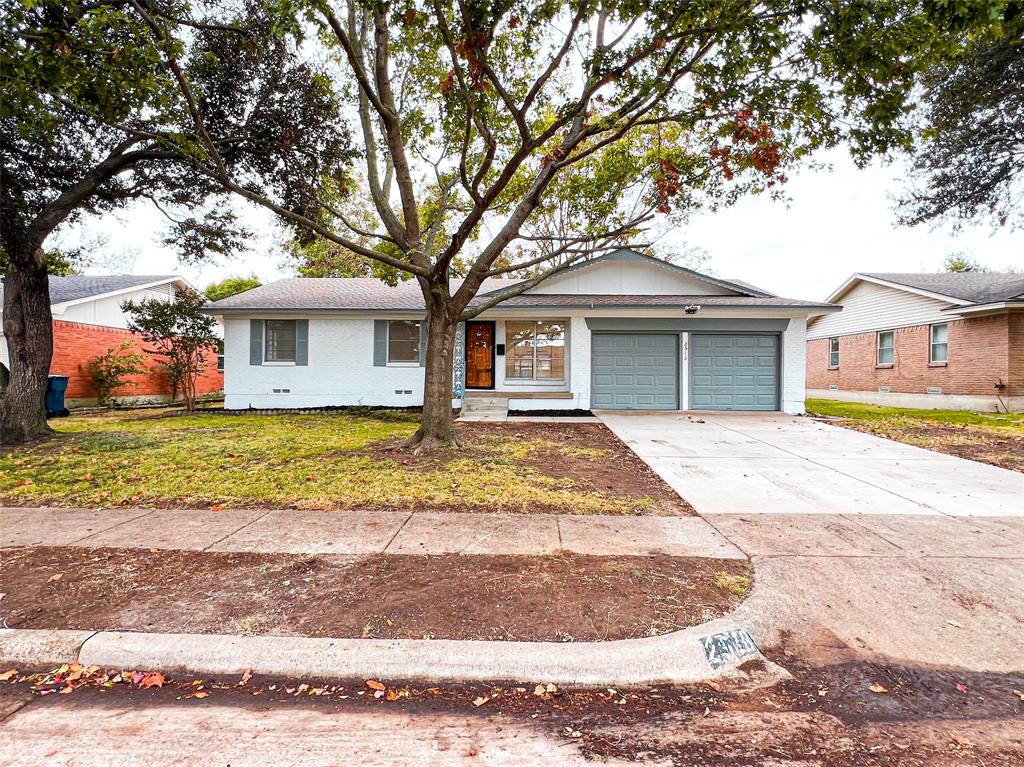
[
  {"x": 13, "y": 672},
  {"x": 373, "y": 684},
  {"x": 56, "y": 577},
  {"x": 1019, "y": 693},
  {"x": 956, "y": 624},
  {"x": 392, "y": 695},
  {"x": 538, "y": 690},
  {"x": 156, "y": 679},
  {"x": 480, "y": 701},
  {"x": 961, "y": 688},
  {"x": 961, "y": 741},
  {"x": 550, "y": 688},
  {"x": 246, "y": 676},
  {"x": 713, "y": 685},
  {"x": 878, "y": 688},
  {"x": 217, "y": 507}
]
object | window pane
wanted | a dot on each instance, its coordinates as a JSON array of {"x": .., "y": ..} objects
[
  {"x": 535, "y": 350},
  {"x": 403, "y": 341},
  {"x": 550, "y": 345},
  {"x": 940, "y": 352},
  {"x": 280, "y": 341},
  {"x": 885, "y": 348},
  {"x": 833, "y": 352},
  {"x": 519, "y": 349},
  {"x": 940, "y": 334}
]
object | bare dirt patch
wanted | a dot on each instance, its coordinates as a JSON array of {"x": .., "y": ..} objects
[
  {"x": 1003, "y": 449},
  {"x": 565, "y": 597},
  {"x": 586, "y": 453}
]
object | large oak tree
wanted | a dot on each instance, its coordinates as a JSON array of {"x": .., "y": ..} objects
[
  {"x": 92, "y": 120},
  {"x": 476, "y": 119}
]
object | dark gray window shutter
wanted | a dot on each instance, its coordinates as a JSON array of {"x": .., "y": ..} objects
[
  {"x": 255, "y": 342},
  {"x": 380, "y": 343},
  {"x": 423, "y": 343},
  {"x": 301, "y": 342}
]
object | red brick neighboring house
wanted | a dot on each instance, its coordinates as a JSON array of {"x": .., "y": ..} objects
[
  {"x": 87, "y": 321},
  {"x": 932, "y": 340}
]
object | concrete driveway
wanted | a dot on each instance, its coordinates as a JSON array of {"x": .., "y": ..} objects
[
  {"x": 861, "y": 545},
  {"x": 771, "y": 463}
]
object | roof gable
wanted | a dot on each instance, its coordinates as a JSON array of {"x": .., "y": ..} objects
[
  {"x": 81, "y": 287},
  {"x": 629, "y": 272},
  {"x": 957, "y": 288}
]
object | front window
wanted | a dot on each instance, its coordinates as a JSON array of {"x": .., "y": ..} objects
[
  {"x": 535, "y": 350},
  {"x": 833, "y": 352},
  {"x": 940, "y": 343},
  {"x": 403, "y": 342},
  {"x": 886, "y": 347},
  {"x": 280, "y": 341}
]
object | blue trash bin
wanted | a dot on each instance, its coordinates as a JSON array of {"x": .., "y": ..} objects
[{"x": 55, "y": 388}]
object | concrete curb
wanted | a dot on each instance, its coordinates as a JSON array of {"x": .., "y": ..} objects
[{"x": 678, "y": 658}]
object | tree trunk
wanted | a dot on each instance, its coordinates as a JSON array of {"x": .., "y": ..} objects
[
  {"x": 437, "y": 427},
  {"x": 28, "y": 330}
]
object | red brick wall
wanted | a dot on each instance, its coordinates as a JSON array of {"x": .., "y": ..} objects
[
  {"x": 76, "y": 344},
  {"x": 978, "y": 357},
  {"x": 1016, "y": 362}
]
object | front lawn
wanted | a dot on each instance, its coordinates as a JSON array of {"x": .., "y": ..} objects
[
  {"x": 995, "y": 438},
  {"x": 330, "y": 461}
]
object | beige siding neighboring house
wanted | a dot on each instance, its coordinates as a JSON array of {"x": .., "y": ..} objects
[{"x": 929, "y": 340}]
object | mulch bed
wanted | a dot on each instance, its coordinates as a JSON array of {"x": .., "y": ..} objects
[
  {"x": 618, "y": 471},
  {"x": 564, "y": 597},
  {"x": 984, "y": 445}
]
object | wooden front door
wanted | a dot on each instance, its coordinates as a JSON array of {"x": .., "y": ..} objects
[{"x": 479, "y": 355}]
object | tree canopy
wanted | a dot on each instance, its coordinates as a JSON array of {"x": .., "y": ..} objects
[
  {"x": 969, "y": 162},
  {"x": 231, "y": 286}
]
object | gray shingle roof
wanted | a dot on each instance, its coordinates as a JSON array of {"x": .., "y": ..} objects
[
  {"x": 975, "y": 287},
  {"x": 83, "y": 286},
  {"x": 368, "y": 294}
]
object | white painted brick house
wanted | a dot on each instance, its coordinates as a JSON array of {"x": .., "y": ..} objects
[{"x": 622, "y": 331}]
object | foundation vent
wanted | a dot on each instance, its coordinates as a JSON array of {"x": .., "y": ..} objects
[
  {"x": 884, "y": 389},
  {"x": 935, "y": 390}
]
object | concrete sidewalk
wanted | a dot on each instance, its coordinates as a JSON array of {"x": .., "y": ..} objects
[{"x": 359, "y": 533}]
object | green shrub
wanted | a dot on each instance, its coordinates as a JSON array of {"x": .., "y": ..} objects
[{"x": 109, "y": 371}]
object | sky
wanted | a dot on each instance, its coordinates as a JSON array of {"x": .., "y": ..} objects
[{"x": 837, "y": 221}]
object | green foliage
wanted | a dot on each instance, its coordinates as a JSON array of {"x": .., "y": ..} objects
[
  {"x": 182, "y": 336},
  {"x": 968, "y": 162},
  {"x": 108, "y": 371},
  {"x": 231, "y": 286},
  {"x": 962, "y": 262}
]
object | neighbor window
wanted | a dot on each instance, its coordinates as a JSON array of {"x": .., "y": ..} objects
[
  {"x": 833, "y": 352},
  {"x": 220, "y": 356},
  {"x": 280, "y": 341},
  {"x": 886, "y": 342},
  {"x": 940, "y": 343},
  {"x": 535, "y": 350},
  {"x": 403, "y": 341}
]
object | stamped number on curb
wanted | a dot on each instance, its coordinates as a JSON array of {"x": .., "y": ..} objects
[{"x": 728, "y": 646}]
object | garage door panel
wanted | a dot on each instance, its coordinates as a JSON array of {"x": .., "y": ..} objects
[
  {"x": 641, "y": 372},
  {"x": 734, "y": 372}
]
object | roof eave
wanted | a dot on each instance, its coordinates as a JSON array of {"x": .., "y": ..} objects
[
  {"x": 61, "y": 306},
  {"x": 992, "y": 306},
  {"x": 897, "y": 286}
]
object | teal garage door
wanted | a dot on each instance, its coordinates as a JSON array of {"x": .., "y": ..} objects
[
  {"x": 734, "y": 372},
  {"x": 635, "y": 371}
]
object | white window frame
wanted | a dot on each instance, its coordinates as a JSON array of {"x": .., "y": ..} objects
[
  {"x": 565, "y": 358},
  {"x": 266, "y": 344},
  {"x": 878, "y": 348},
  {"x": 402, "y": 363},
  {"x": 931, "y": 344},
  {"x": 830, "y": 353}
]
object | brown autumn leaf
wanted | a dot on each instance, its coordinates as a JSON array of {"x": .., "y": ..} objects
[
  {"x": 155, "y": 679},
  {"x": 1018, "y": 693},
  {"x": 55, "y": 577},
  {"x": 217, "y": 507},
  {"x": 246, "y": 676},
  {"x": 962, "y": 741},
  {"x": 713, "y": 685},
  {"x": 480, "y": 701},
  {"x": 538, "y": 690},
  {"x": 391, "y": 695},
  {"x": 373, "y": 684},
  {"x": 877, "y": 688},
  {"x": 10, "y": 674}
]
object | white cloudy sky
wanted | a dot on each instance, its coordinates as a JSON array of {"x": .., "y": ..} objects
[{"x": 837, "y": 222}]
